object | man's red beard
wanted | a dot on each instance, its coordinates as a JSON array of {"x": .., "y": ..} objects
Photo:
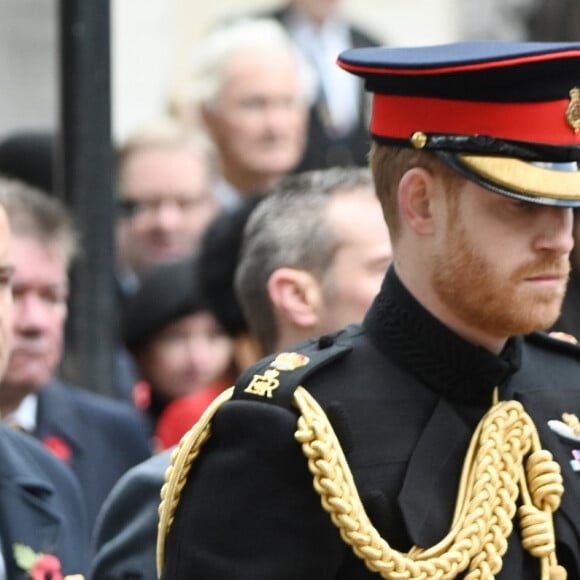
[{"x": 472, "y": 288}]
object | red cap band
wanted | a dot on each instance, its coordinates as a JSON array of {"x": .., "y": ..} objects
[{"x": 397, "y": 117}]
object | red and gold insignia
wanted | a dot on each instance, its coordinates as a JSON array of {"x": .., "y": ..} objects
[
  {"x": 289, "y": 361},
  {"x": 573, "y": 110}
]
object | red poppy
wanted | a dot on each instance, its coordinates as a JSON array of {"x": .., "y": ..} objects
[
  {"x": 47, "y": 567},
  {"x": 38, "y": 566},
  {"x": 142, "y": 395},
  {"x": 58, "y": 448}
]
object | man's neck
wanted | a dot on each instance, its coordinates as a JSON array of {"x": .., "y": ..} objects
[
  {"x": 293, "y": 336},
  {"x": 315, "y": 20},
  {"x": 249, "y": 183}
]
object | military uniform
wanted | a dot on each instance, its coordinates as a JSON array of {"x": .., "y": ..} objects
[
  {"x": 404, "y": 395},
  {"x": 397, "y": 448}
]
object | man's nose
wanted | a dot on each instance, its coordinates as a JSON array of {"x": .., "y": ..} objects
[
  {"x": 30, "y": 312},
  {"x": 556, "y": 230}
]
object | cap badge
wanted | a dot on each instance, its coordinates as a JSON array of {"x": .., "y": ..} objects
[
  {"x": 568, "y": 428},
  {"x": 289, "y": 361},
  {"x": 573, "y": 110}
]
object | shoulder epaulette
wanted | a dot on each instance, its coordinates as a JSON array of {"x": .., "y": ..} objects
[
  {"x": 557, "y": 341},
  {"x": 275, "y": 378}
]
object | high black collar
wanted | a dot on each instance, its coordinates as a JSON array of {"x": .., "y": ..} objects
[{"x": 435, "y": 355}]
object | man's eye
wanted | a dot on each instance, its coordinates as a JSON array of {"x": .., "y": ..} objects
[{"x": 127, "y": 208}]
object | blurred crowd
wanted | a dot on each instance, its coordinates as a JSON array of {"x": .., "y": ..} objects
[{"x": 245, "y": 222}]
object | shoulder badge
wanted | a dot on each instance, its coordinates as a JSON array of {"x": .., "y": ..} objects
[
  {"x": 264, "y": 385},
  {"x": 564, "y": 336},
  {"x": 275, "y": 378},
  {"x": 560, "y": 342},
  {"x": 289, "y": 361}
]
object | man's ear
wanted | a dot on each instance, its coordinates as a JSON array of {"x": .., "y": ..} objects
[
  {"x": 416, "y": 195},
  {"x": 296, "y": 296}
]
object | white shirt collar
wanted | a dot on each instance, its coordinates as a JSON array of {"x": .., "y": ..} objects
[
  {"x": 228, "y": 196},
  {"x": 25, "y": 414}
]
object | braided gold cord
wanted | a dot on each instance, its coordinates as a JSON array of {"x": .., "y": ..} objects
[
  {"x": 182, "y": 459},
  {"x": 492, "y": 479},
  {"x": 491, "y": 482}
]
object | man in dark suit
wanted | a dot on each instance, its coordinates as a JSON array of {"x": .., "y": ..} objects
[
  {"x": 125, "y": 533},
  {"x": 98, "y": 438},
  {"x": 42, "y": 510},
  {"x": 441, "y": 437},
  {"x": 338, "y": 123},
  {"x": 42, "y": 517}
]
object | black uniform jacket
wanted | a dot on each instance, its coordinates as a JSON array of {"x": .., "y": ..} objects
[{"x": 404, "y": 395}]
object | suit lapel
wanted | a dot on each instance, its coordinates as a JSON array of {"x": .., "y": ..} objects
[
  {"x": 56, "y": 417},
  {"x": 27, "y": 517}
]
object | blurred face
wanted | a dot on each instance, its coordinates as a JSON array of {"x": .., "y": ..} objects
[
  {"x": 501, "y": 267},
  {"x": 360, "y": 262},
  {"x": 187, "y": 355},
  {"x": 6, "y": 305},
  {"x": 317, "y": 10},
  {"x": 259, "y": 121},
  {"x": 172, "y": 204},
  {"x": 40, "y": 291}
]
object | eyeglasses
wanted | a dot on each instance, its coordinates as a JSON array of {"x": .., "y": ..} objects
[{"x": 130, "y": 208}]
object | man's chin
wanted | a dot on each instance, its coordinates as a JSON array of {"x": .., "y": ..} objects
[
  {"x": 541, "y": 319},
  {"x": 29, "y": 382}
]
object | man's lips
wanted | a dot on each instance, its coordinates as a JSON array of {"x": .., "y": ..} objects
[
  {"x": 29, "y": 351},
  {"x": 549, "y": 279}
]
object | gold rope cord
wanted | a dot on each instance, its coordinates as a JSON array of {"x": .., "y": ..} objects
[
  {"x": 182, "y": 459},
  {"x": 493, "y": 477},
  {"x": 486, "y": 502}
]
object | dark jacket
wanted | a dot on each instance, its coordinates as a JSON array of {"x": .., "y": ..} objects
[
  {"x": 126, "y": 530},
  {"x": 404, "y": 395},
  {"x": 105, "y": 437},
  {"x": 40, "y": 506},
  {"x": 324, "y": 148}
]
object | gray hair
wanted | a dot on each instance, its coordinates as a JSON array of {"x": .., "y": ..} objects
[
  {"x": 289, "y": 229},
  {"x": 35, "y": 214},
  {"x": 257, "y": 34}
]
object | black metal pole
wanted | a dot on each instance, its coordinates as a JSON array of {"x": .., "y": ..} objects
[{"x": 84, "y": 179}]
